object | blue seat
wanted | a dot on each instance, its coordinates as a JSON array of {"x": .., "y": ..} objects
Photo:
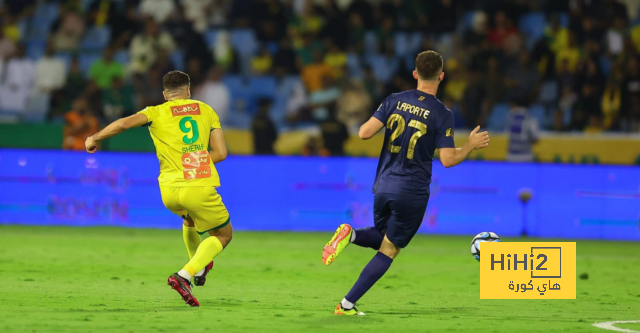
[
  {"x": 211, "y": 36},
  {"x": 532, "y": 25},
  {"x": 244, "y": 41},
  {"x": 86, "y": 60},
  {"x": 564, "y": 19},
  {"x": 536, "y": 111},
  {"x": 605, "y": 65},
  {"x": 35, "y": 49},
  {"x": 383, "y": 67},
  {"x": 177, "y": 58},
  {"x": 122, "y": 56},
  {"x": 465, "y": 23},
  {"x": 370, "y": 42},
  {"x": 96, "y": 39},
  {"x": 66, "y": 58},
  {"x": 37, "y": 107},
  {"x": 263, "y": 87},
  {"x": 401, "y": 43},
  {"x": 498, "y": 118}
]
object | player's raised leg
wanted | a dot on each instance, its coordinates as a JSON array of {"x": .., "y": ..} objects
[
  {"x": 365, "y": 237},
  {"x": 371, "y": 273}
]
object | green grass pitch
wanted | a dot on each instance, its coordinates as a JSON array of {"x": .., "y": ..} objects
[{"x": 59, "y": 279}]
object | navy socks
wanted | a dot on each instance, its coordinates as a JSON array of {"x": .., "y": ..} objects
[
  {"x": 368, "y": 237},
  {"x": 371, "y": 273}
]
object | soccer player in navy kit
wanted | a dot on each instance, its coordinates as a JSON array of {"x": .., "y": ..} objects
[{"x": 416, "y": 124}]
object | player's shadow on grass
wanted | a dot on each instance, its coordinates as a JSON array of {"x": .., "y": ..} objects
[
  {"x": 132, "y": 310},
  {"x": 428, "y": 311}
]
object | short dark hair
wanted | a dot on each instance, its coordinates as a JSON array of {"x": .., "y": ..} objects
[
  {"x": 429, "y": 65},
  {"x": 175, "y": 80}
]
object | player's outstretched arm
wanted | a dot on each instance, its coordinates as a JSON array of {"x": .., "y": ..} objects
[
  {"x": 218, "y": 146},
  {"x": 454, "y": 156},
  {"x": 114, "y": 129},
  {"x": 370, "y": 128}
]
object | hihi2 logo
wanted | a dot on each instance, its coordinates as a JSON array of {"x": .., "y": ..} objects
[{"x": 528, "y": 270}]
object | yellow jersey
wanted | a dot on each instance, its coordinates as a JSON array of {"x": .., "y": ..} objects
[{"x": 180, "y": 131}]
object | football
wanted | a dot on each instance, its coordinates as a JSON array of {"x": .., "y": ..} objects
[{"x": 485, "y": 236}]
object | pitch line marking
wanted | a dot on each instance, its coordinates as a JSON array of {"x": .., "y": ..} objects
[{"x": 609, "y": 325}]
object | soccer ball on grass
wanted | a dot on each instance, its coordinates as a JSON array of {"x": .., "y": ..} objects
[{"x": 485, "y": 236}]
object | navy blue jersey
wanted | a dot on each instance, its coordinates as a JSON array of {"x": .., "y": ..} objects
[{"x": 416, "y": 124}]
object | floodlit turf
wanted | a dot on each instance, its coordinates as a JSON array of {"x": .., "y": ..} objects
[{"x": 57, "y": 279}]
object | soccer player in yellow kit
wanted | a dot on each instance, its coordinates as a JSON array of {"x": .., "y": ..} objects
[{"x": 181, "y": 130}]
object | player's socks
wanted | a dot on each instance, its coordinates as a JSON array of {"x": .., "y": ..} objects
[
  {"x": 367, "y": 237},
  {"x": 208, "y": 249},
  {"x": 371, "y": 273},
  {"x": 184, "y": 274},
  {"x": 191, "y": 239}
]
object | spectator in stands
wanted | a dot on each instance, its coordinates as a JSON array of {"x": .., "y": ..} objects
[
  {"x": 263, "y": 129},
  {"x": 17, "y": 81},
  {"x": 354, "y": 106},
  {"x": 10, "y": 28},
  {"x": 68, "y": 29},
  {"x": 150, "y": 91},
  {"x": 493, "y": 81},
  {"x": 119, "y": 100},
  {"x": 7, "y": 46},
  {"x": 196, "y": 72},
  {"x": 261, "y": 63},
  {"x": 50, "y": 72},
  {"x": 215, "y": 93},
  {"x": 594, "y": 126},
  {"x": 612, "y": 101},
  {"x": 125, "y": 27},
  {"x": 219, "y": 13},
  {"x": 523, "y": 133},
  {"x": 615, "y": 36},
  {"x": 223, "y": 53},
  {"x": 79, "y": 124},
  {"x": 163, "y": 63},
  {"x": 101, "y": 12},
  {"x": 456, "y": 82},
  {"x": 145, "y": 46},
  {"x": 522, "y": 79},
  {"x": 285, "y": 58},
  {"x": 355, "y": 32},
  {"x": 197, "y": 12},
  {"x": 314, "y": 74},
  {"x": 309, "y": 45},
  {"x": 631, "y": 96},
  {"x": 471, "y": 105},
  {"x": 104, "y": 70},
  {"x": 556, "y": 36},
  {"x": 323, "y": 100},
  {"x": 566, "y": 103},
  {"x": 75, "y": 84},
  {"x": 334, "y": 135},
  {"x": 502, "y": 30},
  {"x": 158, "y": 10},
  {"x": 373, "y": 86},
  {"x": 570, "y": 54},
  {"x": 477, "y": 33},
  {"x": 336, "y": 59}
]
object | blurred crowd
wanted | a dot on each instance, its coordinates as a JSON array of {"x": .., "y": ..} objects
[{"x": 275, "y": 65}]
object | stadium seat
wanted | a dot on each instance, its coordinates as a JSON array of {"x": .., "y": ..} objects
[
  {"x": 35, "y": 49},
  {"x": 37, "y": 107},
  {"x": 354, "y": 66},
  {"x": 532, "y": 25},
  {"x": 465, "y": 23},
  {"x": 564, "y": 19},
  {"x": 498, "y": 118},
  {"x": 383, "y": 67},
  {"x": 244, "y": 41},
  {"x": 370, "y": 42},
  {"x": 66, "y": 57},
  {"x": 272, "y": 47},
  {"x": 122, "y": 56},
  {"x": 262, "y": 87},
  {"x": 177, "y": 58},
  {"x": 44, "y": 15},
  {"x": 96, "y": 39},
  {"x": 401, "y": 43},
  {"x": 86, "y": 60},
  {"x": 210, "y": 37},
  {"x": 605, "y": 65},
  {"x": 536, "y": 111}
]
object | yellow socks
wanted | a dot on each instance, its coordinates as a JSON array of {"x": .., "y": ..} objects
[
  {"x": 191, "y": 239},
  {"x": 208, "y": 249}
]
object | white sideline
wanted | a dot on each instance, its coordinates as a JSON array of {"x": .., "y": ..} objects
[{"x": 608, "y": 325}]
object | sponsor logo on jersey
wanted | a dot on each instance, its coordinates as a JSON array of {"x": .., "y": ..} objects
[{"x": 183, "y": 110}]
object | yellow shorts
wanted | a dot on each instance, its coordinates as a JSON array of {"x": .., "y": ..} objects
[{"x": 203, "y": 204}]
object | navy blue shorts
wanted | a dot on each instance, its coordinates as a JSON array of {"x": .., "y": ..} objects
[{"x": 399, "y": 216}]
